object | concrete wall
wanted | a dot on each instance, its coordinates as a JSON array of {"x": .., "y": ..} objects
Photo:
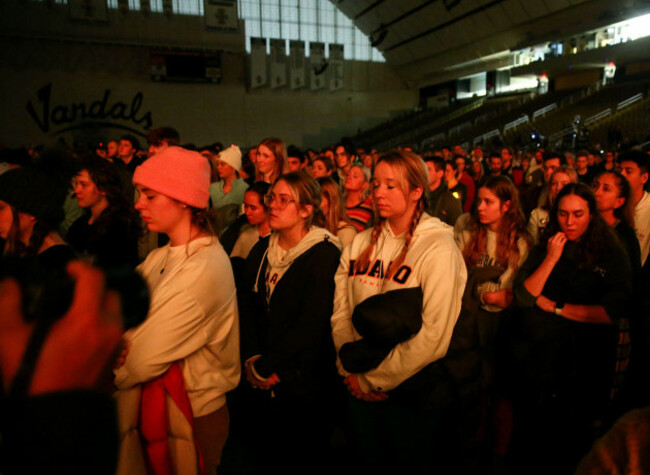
[{"x": 73, "y": 65}]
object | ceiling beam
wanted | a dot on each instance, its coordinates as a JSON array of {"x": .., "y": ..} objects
[
  {"x": 383, "y": 26},
  {"x": 367, "y": 9},
  {"x": 442, "y": 26}
]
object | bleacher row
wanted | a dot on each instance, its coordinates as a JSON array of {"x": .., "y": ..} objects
[{"x": 608, "y": 115}]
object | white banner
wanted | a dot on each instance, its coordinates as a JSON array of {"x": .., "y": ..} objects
[
  {"x": 336, "y": 67},
  {"x": 317, "y": 65},
  {"x": 221, "y": 14},
  {"x": 278, "y": 64},
  {"x": 258, "y": 62},
  {"x": 88, "y": 10},
  {"x": 297, "y": 64}
]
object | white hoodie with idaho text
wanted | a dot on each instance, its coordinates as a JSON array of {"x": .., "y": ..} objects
[{"x": 434, "y": 263}]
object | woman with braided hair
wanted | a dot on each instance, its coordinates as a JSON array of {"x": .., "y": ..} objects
[{"x": 398, "y": 295}]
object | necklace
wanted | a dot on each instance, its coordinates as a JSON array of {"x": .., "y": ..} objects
[{"x": 164, "y": 262}]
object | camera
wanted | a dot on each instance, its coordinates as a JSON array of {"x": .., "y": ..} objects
[{"x": 47, "y": 292}]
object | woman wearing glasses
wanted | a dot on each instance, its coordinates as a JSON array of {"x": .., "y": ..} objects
[{"x": 285, "y": 307}]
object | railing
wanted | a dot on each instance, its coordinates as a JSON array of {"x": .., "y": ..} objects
[
  {"x": 484, "y": 117},
  {"x": 488, "y": 135},
  {"x": 430, "y": 140},
  {"x": 601, "y": 115},
  {"x": 409, "y": 136},
  {"x": 515, "y": 123},
  {"x": 458, "y": 128},
  {"x": 581, "y": 94},
  {"x": 560, "y": 134},
  {"x": 629, "y": 101},
  {"x": 544, "y": 110}
]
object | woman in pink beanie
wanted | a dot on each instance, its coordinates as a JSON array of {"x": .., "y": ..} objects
[{"x": 192, "y": 322}]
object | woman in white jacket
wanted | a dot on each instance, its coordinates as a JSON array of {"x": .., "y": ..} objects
[
  {"x": 193, "y": 319},
  {"x": 398, "y": 295}
]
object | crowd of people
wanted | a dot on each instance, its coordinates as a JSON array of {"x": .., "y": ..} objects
[{"x": 435, "y": 311}]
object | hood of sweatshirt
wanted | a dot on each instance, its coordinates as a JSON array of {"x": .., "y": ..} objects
[
  {"x": 279, "y": 259},
  {"x": 427, "y": 235},
  {"x": 428, "y": 225}
]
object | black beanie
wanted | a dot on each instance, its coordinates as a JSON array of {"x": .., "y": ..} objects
[{"x": 31, "y": 191}]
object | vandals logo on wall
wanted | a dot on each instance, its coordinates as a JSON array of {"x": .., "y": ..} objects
[{"x": 102, "y": 113}]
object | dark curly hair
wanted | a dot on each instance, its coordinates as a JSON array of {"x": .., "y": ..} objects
[{"x": 104, "y": 175}]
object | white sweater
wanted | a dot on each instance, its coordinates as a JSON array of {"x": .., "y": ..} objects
[
  {"x": 192, "y": 319},
  {"x": 434, "y": 263}
]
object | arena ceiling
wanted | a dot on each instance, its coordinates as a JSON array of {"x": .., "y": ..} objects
[{"x": 428, "y": 42}]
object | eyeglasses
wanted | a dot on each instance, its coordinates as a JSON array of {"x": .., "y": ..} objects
[{"x": 281, "y": 201}]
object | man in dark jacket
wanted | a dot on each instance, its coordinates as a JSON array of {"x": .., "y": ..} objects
[{"x": 442, "y": 203}]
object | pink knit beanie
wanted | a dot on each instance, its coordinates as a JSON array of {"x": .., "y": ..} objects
[{"x": 178, "y": 173}]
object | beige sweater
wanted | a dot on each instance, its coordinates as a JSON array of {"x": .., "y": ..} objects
[{"x": 192, "y": 319}]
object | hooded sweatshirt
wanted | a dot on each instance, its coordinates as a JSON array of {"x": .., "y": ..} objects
[
  {"x": 280, "y": 260},
  {"x": 286, "y": 312},
  {"x": 434, "y": 263}
]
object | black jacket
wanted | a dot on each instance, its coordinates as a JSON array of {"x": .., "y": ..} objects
[
  {"x": 560, "y": 359},
  {"x": 111, "y": 240},
  {"x": 292, "y": 332}
]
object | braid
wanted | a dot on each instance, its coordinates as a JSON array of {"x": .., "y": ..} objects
[
  {"x": 410, "y": 172},
  {"x": 409, "y": 235},
  {"x": 364, "y": 258}
]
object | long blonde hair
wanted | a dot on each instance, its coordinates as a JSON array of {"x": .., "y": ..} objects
[
  {"x": 279, "y": 151},
  {"x": 367, "y": 175},
  {"x": 568, "y": 171},
  {"x": 412, "y": 174},
  {"x": 336, "y": 213}
]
